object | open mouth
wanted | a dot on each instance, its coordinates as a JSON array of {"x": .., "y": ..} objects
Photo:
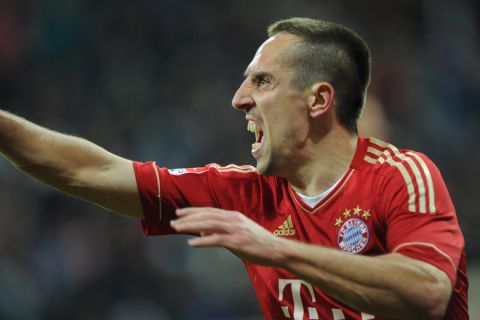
[{"x": 254, "y": 128}]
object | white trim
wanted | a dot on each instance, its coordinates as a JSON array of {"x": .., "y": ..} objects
[
  {"x": 327, "y": 198},
  {"x": 158, "y": 191},
  {"x": 426, "y": 244},
  {"x": 233, "y": 168},
  {"x": 312, "y": 201}
]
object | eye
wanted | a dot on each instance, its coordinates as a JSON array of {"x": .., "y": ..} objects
[{"x": 262, "y": 81}]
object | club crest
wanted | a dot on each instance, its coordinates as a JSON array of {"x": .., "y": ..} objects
[{"x": 353, "y": 235}]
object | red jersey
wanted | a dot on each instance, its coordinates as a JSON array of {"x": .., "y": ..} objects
[{"x": 389, "y": 200}]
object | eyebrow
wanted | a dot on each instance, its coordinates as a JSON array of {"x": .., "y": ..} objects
[{"x": 257, "y": 74}]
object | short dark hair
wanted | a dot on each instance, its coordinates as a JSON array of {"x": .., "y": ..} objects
[{"x": 333, "y": 53}]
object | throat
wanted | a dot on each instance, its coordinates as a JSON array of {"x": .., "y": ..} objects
[
  {"x": 312, "y": 201},
  {"x": 323, "y": 168}
]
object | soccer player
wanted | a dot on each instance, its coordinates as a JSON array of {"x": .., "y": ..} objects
[{"x": 330, "y": 225}]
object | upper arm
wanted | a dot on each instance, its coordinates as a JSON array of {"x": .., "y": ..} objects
[
  {"x": 111, "y": 185},
  {"x": 162, "y": 191},
  {"x": 419, "y": 216},
  {"x": 70, "y": 164}
]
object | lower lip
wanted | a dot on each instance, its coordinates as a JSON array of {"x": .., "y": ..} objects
[{"x": 257, "y": 152}]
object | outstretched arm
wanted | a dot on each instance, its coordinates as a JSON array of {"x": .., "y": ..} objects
[
  {"x": 390, "y": 285},
  {"x": 70, "y": 164}
]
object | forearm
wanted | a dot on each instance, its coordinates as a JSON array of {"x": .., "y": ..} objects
[
  {"x": 390, "y": 285},
  {"x": 70, "y": 164},
  {"x": 50, "y": 156}
]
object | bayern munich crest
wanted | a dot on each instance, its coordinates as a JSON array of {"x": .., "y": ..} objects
[{"x": 353, "y": 235}]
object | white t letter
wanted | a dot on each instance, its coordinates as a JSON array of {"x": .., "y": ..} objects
[{"x": 298, "y": 309}]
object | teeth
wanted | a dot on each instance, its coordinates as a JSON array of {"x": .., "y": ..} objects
[{"x": 252, "y": 127}]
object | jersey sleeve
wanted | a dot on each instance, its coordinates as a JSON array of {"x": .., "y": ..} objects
[
  {"x": 419, "y": 215},
  {"x": 162, "y": 191}
]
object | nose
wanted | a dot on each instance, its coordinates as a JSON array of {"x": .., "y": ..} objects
[{"x": 242, "y": 100}]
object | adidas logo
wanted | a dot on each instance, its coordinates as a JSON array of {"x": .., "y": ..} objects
[{"x": 286, "y": 228}]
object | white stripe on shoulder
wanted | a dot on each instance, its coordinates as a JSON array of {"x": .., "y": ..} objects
[
  {"x": 418, "y": 178},
  {"x": 378, "y": 142},
  {"x": 428, "y": 175},
  {"x": 370, "y": 159},
  {"x": 374, "y": 151},
  {"x": 388, "y": 157}
]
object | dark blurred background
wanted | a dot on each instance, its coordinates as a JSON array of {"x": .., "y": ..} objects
[{"x": 153, "y": 80}]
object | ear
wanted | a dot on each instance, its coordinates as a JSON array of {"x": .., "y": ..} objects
[{"x": 320, "y": 99}]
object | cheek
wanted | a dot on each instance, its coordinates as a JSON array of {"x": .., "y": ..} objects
[
  {"x": 296, "y": 130},
  {"x": 284, "y": 114},
  {"x": 288, "y": 132}
]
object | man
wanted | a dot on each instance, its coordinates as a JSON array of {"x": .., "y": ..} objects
[{"x": 329, "y": 225}]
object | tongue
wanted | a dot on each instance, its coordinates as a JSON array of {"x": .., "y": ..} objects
[{"x": 260, "y": 136}]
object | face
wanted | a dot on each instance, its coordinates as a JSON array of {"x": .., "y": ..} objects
[{"x": 276, "y": 112}]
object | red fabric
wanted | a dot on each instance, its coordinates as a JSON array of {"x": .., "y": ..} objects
[
  {"x": 431, "y": 237},
  {"x": 381, "y": 205}
]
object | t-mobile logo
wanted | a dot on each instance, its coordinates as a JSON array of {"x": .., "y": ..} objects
[{"x": 299, "y": 308}]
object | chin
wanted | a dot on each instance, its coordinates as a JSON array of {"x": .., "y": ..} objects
[
  {"x": 261, "y": 170},
  {"x": 266, "y": 168},
  {"x": 275, "y": 164}
]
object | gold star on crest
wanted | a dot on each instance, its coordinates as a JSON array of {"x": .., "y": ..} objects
[
  {"x": 366, "y": 214},
  {"x": 346, "y": 213},
  {"x": 356, "y": 210},
  {"x": 338, "y": 222}
]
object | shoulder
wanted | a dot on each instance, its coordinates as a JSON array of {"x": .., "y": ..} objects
[
  {"x": 404, "y": 171},
  {"x": 226, "y": 175},
  {"x": 388, "y": 160},
  {"x": 232, "y": 169},
  {"x": 234, "y": 172},
  {"x": 213, "y": 168}
]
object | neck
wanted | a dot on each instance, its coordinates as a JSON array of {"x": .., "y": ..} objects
[{"x": 325, "y": 161}]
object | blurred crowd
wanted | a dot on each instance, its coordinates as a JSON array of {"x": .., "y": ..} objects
[{"x": 153, "y": 80}]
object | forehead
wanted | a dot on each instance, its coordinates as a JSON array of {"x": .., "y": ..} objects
[{"x": 268, "y": 53}]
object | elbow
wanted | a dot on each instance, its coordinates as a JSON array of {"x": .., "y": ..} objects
[
  {"x": 437, "y": 305},
  {"x": 432, "y": 300},
  {"x": 435, "y": 310}
]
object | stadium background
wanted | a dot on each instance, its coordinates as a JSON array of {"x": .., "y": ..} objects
[{"x": 153, "y": 80}]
